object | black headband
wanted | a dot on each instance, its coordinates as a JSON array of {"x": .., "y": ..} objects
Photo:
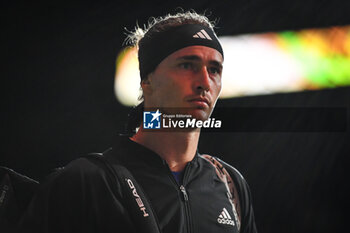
[{"x": 152, "y": 50}]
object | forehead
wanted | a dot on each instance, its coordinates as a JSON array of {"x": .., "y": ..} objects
[{"x": 206, "y": 54}]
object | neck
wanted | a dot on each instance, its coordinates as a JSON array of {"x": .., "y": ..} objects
[{"x": 176, "y": 148}]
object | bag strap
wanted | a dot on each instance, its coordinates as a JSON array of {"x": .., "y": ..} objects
[
  {"x": 135, "y": 200},
  {"x": 230, "y": 186}
]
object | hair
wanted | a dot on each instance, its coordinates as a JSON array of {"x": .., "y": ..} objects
[
  {"x": 163, "y": 23},
  {"x": 154, "y": 26}
]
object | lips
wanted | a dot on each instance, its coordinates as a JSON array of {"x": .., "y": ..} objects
[{"x": 200, "y": 101}]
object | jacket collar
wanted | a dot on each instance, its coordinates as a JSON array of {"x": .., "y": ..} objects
[{"x": 129, "y": 152}]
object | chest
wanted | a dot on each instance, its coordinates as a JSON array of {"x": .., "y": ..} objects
[{"x": 198, "y": 205}]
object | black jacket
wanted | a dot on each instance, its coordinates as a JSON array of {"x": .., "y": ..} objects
[{"x": 82, "y": 198}]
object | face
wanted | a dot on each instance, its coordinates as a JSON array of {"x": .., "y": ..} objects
[{"x": 189, "y": 78}]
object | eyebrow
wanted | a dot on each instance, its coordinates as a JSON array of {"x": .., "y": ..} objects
[{"x": 197, "y": 58}]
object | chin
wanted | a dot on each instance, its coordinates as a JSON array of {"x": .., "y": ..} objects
[{"x": 200, "y": 114}]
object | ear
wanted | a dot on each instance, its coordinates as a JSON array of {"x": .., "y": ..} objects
[{"x": 146, "y": 85}]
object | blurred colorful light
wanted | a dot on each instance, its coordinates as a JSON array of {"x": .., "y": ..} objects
[{"x": 264, "y": 63}]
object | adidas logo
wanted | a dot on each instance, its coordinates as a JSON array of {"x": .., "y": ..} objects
[
  {"x": 225, "y": 218},
  {"x": 202, "y": 34}
]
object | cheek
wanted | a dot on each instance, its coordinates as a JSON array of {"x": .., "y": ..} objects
[
  {"x": 168, "y": 84},
  {"x": 217, "y": 87},
  {"x": 164, "y": 89}
]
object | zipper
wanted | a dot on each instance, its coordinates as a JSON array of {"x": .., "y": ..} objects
[
  {"x": 187, "y": 209},
  {"x": 184, "y": 195},
  {"x": 183, "y": 190}
]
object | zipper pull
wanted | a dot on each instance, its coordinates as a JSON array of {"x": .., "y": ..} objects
[{"x": 183, "y": 190}]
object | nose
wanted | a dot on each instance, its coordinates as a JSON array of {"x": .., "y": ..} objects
[{"x": 202, "y": 80}]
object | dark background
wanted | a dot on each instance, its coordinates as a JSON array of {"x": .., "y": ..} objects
[{"x": 58, "y": 101}]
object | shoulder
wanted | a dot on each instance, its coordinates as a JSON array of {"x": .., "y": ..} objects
[
  {"x": 78, "y": 176},
  {"x": 219, "y": 163},
  {"x": 232, "y": 170},
  {"x": 239, "y": 181},
  {"x": 78, "y": 169}
]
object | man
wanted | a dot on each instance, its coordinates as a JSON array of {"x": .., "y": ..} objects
[{"x": 173, "y": 187}]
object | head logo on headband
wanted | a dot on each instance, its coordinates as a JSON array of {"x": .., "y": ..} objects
[
  {"x": 153, "y": 50},
  {"x": 202, "y": 34}
]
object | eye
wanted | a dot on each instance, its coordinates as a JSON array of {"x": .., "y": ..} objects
[
  {"x": 186, "y": 65},
  {"x": 214, "y": 70}
]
